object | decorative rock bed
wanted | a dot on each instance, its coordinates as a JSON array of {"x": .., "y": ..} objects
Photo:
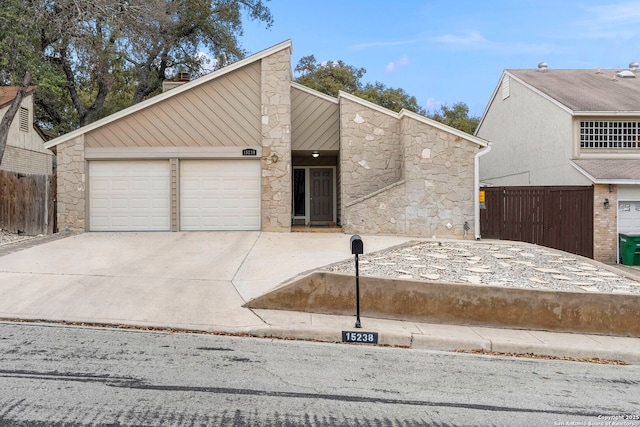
[{"x": 493, "y": 264}]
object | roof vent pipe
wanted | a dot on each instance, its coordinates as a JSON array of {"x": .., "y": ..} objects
[
  {"x": 633, "y": 66},
  {"x": 542, "y": 66}
]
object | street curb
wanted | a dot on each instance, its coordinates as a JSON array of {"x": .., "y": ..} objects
[
  {"x": 414, "y": 341},
  {"x": 566, "y": 351},
  {"x": 423, "y": 342}
]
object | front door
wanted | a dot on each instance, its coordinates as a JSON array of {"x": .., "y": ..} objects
[{"x": 321, "y": 196}]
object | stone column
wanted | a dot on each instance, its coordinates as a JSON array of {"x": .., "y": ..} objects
[
  {"x": 276, "y": 142},
  {"x": 71, "y": 185}
]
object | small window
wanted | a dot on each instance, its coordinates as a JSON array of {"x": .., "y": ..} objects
[
  {"x": 24, "y": 119},
  {"x": 299, "y": 192},
  {"x": 505, "y": 87}
]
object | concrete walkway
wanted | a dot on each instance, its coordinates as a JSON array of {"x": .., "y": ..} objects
[{"x": 199, "y": 281}]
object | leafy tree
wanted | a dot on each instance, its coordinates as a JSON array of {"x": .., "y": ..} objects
[
  {"x": 456, "y": 117},
  {"x": 16, "y": 59},
  {"x": 104, "y": 55},
  {"x": 331, "y": 77},
  {"x": 393, "y": 99}
]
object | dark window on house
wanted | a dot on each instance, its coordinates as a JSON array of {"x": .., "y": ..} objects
[
  {"x": 609, "y": 134},
  {"x": 23, "y": 117},
  {"x": 298, "y": 192}
]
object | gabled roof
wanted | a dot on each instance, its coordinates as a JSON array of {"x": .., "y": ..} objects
[
  {"x": 8, "y": 93},
  {"x": 314, "y": 92},
  {"x": 609, "y": 171},
  {"x": 585, "y": 91},
  {"x": 173, "y": 92},
  {"x": 406, "y": 113}
]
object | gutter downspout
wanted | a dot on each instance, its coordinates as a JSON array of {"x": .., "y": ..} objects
[{"x": 476, "y": 182}]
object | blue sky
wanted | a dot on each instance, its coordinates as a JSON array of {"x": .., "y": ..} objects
[{"x": 445, "y": 52}]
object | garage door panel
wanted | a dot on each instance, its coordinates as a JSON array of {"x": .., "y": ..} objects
[
  {"x": 130, "y": 195},
  {"x": 118, "y": 185},
  {"x": 121, "y": 204},
  {"x": 220, "y": 195}
]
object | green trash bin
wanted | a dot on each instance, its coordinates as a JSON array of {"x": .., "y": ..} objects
[{"x": 629, "y": 245}]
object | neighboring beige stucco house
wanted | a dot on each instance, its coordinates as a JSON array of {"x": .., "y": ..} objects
[
  {"x": 25, "y": 152},
  {"x": 246, "y": 148},
  {"x": 570, "y": 128},
  {"x": 27, "y": 175}
]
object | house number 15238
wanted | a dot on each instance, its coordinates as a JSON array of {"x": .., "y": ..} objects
[{"x": 360, "y": 337}]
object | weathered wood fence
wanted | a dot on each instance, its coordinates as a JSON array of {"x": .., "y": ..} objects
[
  {"x": 556, "y": 217},
  {"x": 27, "y": 203}
]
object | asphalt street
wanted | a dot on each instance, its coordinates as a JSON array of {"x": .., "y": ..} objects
[{"x": 53, "y": 375}]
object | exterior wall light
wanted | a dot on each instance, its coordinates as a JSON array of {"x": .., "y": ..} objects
[
  {"x": 274, "y": 158},
  {"x": 606, "y": 203},
  {"x": 315, "y": 154}
]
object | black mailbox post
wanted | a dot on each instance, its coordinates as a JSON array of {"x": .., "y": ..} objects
[{"x": 357, "y": 248}]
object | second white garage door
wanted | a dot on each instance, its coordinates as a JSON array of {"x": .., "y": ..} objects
[{"x": 219, "y": 195}]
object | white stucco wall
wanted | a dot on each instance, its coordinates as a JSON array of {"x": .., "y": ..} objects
[{"x": 532, "y": 141}]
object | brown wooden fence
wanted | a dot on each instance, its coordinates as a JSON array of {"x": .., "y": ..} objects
[
  {"x": 27, "y": 203},
  {"x": 556, "y": 217}
]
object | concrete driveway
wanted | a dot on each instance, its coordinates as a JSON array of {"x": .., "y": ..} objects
[{"x": 195, "y": 280}]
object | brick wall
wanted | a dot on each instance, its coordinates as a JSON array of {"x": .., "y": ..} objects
[{"x": 605, "y": 224}]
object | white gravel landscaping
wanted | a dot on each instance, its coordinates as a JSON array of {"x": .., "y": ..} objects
[{"x": 494, "y": 264}]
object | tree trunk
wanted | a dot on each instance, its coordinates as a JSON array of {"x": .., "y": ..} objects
[{"x": 5, "y": 124}]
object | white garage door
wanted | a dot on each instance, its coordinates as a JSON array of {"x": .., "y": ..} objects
[
  {"x": 629, "y": 217},
  {"x": 629, "y": 209},
  {"x": 219, "y": 195},
  {"x": 129, "y": 195}
]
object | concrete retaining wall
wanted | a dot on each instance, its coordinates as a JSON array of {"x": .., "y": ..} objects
[{"x": 430, "y": 302}]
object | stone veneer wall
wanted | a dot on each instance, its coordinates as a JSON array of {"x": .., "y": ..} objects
[
  {"x": 439, "y": 175},
  {"x": 437, "y": 189},
  {"x": 605, "y": 224},
  {"x": 276, "y": 139},
  {"x": 71, "y": 184},
  {"x": 370, "y": 150}
]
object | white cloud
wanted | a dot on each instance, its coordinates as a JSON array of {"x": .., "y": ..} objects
[
  {"x": 474, "y": 40},
  {"x": 471, "y": 38},
  {"x": 617, "y": 14},
  {"x": 433, "y": 105},
  {"x": 382, "y": 44},
  {"x": 396, "y": 65},
  {"x": 614, "y": 21}
]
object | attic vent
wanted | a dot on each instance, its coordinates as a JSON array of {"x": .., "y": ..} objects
[
  {"x": 542, "y": 67},
  {"x": 626, "y": 74},
  {"x": 633, "y": 66},
  {"x": 505, "y": 87},
  {"x": 23, "y": 117}
]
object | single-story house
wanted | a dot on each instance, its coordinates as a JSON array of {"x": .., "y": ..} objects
[{"x": 247, "y": 148}]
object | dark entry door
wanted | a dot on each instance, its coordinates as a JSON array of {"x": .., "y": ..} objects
[{"x": 321, "y": 195}]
